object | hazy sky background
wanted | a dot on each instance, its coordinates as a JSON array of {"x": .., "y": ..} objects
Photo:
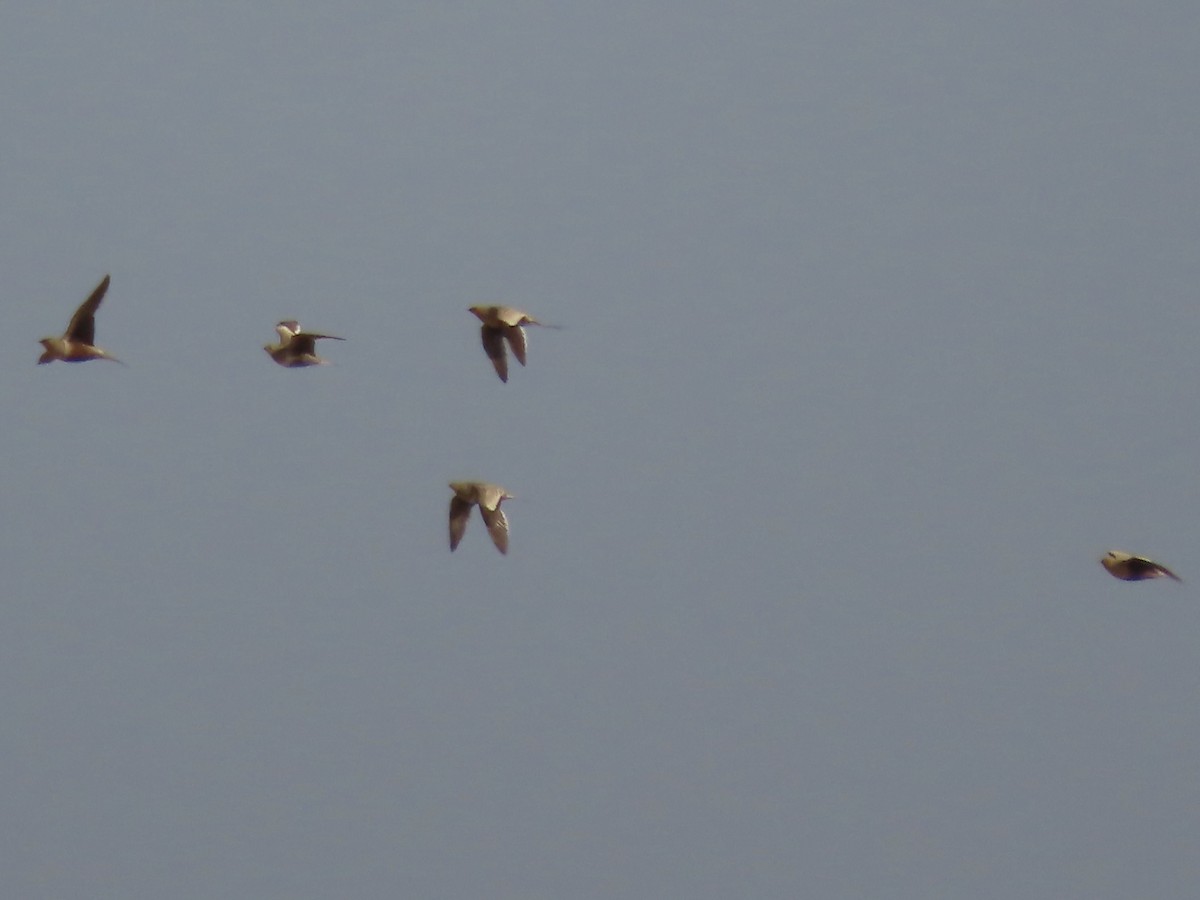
[{"x": 880, "y": 326}]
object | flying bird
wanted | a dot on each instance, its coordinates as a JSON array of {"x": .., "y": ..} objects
[
  {"x": 297, "y": 348},
  {"x": 488, "y": 498},
  {"x": 76, "y": 344},
  {"x": 1128, "y": 567},
  {"x": 500, "y": 324}
]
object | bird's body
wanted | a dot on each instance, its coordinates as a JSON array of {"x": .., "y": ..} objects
[
  {"x": 1128, "y": 567},
  {"x": 297, "y": 348},
  {"x": 500, "y": 324},
  {"x": 77, "y": 342},
  {"x": 488, "y": 498}
]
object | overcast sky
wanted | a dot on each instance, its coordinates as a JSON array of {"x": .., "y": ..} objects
[{"x": 880, "y": 326}]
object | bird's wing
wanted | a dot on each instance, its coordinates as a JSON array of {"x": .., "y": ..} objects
[
  {"x": 516, "y": 340},
  {"x": 302, "y": 345},
  {"x": 1140, "y": 567},
  {"x": 460, "y": 511},
  {"x": 497, "y": 526},
  {"x": 1137, "y": 567},
  {"x": 83, "y": 323},
  {"x": 1167, "y": 572},
  {"x": 493, "y": 346}
]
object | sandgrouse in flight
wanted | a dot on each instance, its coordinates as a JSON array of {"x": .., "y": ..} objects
[
  {"x": 297, "y": 348},
  {"x": 488, "y": 498},
  {"x": 76, "y": 344},
  {"x": 500, "y": 324},
  {"x": 1128, "y": 567}
]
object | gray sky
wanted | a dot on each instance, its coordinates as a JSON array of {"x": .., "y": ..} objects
[{"x": 880, "y": 326}]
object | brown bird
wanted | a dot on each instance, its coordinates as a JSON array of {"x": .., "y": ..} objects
[
  {"x": 297, "y": 348},
  {"x": 76, "y": 343},
  {"x": 488, "y": 498},
  {"x": 500, "y": 324},
  {"x": 1128, "y": 567}
]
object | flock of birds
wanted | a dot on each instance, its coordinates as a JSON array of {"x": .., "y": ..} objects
[
  {"x": 298, "y": 348},
  {"x": 501, "y": 325}
]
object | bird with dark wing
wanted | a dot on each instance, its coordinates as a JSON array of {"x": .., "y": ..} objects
[
  {"x": 297, "y": 348},
  {"x": 77, "y": 343},
  {"x": 1128, "y": 567}
]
